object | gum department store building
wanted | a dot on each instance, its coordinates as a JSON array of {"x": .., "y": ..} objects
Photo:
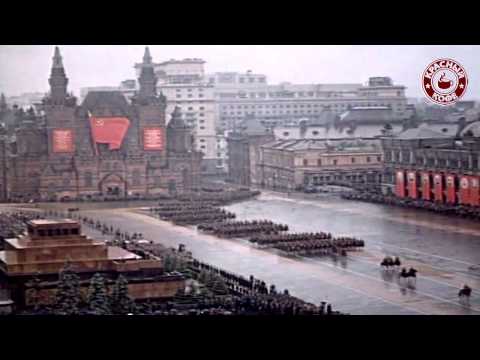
[{"x": 105, "y": 147}]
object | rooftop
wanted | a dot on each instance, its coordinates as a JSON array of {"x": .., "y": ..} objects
[
  {"x": 368, "y": 114},
  {"x": 115, "y": 101},
  {"x": 312, "y": 144},
  {"x": 420, "y": 133}
]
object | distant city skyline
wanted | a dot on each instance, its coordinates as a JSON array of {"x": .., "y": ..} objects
[{"x": 25, "y": 69}]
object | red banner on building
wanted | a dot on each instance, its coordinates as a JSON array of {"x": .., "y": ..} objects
[
  {"x": 464, "y": 193},
  {"x": 109, "y": 131},
  {"x": 426, "y": 186},
  {"x": 153, "y": 138},
  {"x": 412, "y": 184},
  {"x": 400, "y": 183},
  {"x": 474, "y": 190},
  {"x": 63, "y": 141},
  {"x": 451, "y": 196},
  {"x": 438, "y": 187}
]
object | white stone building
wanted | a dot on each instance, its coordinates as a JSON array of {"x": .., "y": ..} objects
[{"x": 242, "y": 94}]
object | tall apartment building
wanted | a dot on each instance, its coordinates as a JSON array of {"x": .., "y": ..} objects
[
  {"x": 183, "y": 84},
  {"x": 241, "y": 94}
]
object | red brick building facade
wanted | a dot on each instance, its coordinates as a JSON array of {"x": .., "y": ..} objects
[{"x": 105, "y": 147}]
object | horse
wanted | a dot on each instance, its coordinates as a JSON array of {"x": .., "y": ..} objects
[
  {"x": 412, "y": 273},
  {"x": 397, "y": 263},
  {"x": 407, "y": 275},
  {"x": 464, "y": 294},
  {"x": 386, "y": 263}
]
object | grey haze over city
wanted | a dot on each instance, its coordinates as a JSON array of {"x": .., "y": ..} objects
[{"x": 25, "y": 68}]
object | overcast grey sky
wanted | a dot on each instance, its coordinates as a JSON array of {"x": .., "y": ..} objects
[{"x": 27, "y": 68}]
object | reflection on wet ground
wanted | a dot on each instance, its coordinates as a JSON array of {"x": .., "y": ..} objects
[{"x": 446, "y": 251}]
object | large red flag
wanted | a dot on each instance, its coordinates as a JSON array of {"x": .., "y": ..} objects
[
  {"x": 109, "y": 130},
  {"x": 451, "y": 191},
  {"x": 426, "y": 186},
  {"x": 464, "y": 197},
  {"x": 400, "y": 183},
  {"x": 412, "y": 184},
  {"x": 438, "y": 187}
]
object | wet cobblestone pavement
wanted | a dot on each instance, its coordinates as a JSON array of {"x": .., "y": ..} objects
[{"x": 446, "y": 251}]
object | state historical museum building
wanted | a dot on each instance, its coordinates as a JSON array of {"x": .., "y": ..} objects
[{"x": 105, "y": 147}]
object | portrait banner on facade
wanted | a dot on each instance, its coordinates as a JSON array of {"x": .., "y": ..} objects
[
  {"x": 400, "y": 183},
  {"x": 63, "y": 141},
  {"x": 474, "y": 190},
  {"x": 464, "y": 193},
  {"x": 438, "y": 187},
  {"x": 153, "y": 138},
  {"x": 426, "y": 186},
  {"x": 412, "y": 184},
  {"x": 451, "y": 191}
]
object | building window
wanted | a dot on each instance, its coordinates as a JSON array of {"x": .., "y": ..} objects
[
  {"x": 200, "y": 95},
  {"x": 202, "y": 147},
  {"x": 179, "y": 96},
  {"x": 201, "y": 114},
  {"x": 202, "y": 127},
  {"x": 286, "y": 133},
  {"x": 319, "y": 162},
  {"x": 334, "y": 162},
  {"x": 202, "y": 140},
  {"x": 315, "y": 133},
  {"x": 305, "y": 162},
  {"x": 368, "y": 159},
  {"x": 202, "y": 108},
  {"x": 190, "y": 108},
  {"x": 242, "y": 80},
  {"x": 353, "y": 160}
]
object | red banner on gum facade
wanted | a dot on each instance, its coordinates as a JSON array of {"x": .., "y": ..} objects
[
  {"x": 474, "y": 191},
  {"x": 412, "y": 184},
  {"x": 400, "y": 183},
  {"x": 438, "y": 187},
  {"x": 451, "y": 189},
  {"x": 464, "y": 195},
  {"x": 426, "y": 195}
]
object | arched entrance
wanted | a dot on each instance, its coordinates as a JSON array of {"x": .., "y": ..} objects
[{"x": 113, "y": 185}]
